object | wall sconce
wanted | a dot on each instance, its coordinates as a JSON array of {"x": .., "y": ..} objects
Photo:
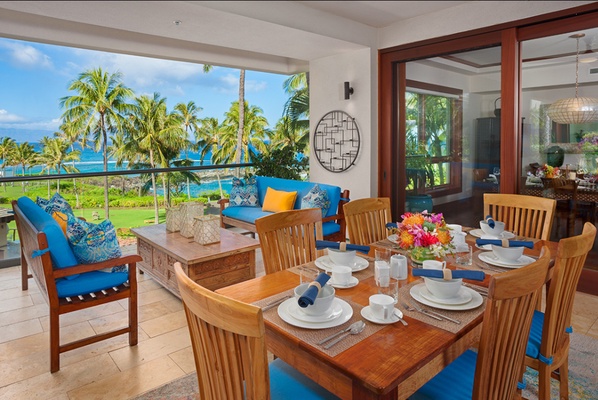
[{"x": 348, "y": 91}]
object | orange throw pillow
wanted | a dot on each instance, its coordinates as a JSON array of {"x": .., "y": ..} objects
[
  {"x": 61, "y": 218},
  {"x": 277, "y": 200}
]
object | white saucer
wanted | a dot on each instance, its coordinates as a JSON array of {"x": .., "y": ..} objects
[
  {"x": 462, "y": 297},
  {"x": 352, "y": 283},
  {"x": 287, "y": 315},
  {"x": 476, "y": 299},
  {"x": 490, "y": 258},
  {"x": 480, "y": 233},
  {"x": 333, "y": 312},
  {"x": 326, "y": 263},
  {"x": 366, "y": 313}
]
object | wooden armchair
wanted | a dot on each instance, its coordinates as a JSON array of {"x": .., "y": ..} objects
[
  {"x": 71, "y": 288},
  {"x": 498, "y": 366},
  {"x": 548, "y": 346},
  {"x": 228, "y": 340},
  {"x": 288, "y": 238},
  {"x": 528, "y": 216},
  {"x": 367, "y": 219}
]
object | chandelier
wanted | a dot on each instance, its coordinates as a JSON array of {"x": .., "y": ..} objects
[{"x": 574, "y": 110}]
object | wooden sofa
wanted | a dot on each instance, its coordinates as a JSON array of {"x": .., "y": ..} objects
[
  {"x": 333, "y": 223},
  {"x": 44, "y": 249}
]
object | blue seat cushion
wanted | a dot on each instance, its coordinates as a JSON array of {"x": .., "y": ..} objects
[
  {"x": 329, "y": 228},
  {"x": 60, "y": 252},
  {"x": 452, "y": 383},
  {"x": 88, "y": 282},
  {"x": 535, "y": 335},
  {"x": 286, "y": 383},
  {"x": 246, "y": 214}
]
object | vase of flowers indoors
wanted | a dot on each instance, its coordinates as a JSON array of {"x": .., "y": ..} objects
[{"x": 425, "y": 235}]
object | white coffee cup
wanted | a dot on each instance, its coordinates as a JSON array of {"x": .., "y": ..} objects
[
  {"x": 341, "y": 274},
  {"x": 382, "y": 306},
  {"x": 433, "y": 264},
  {"x": 454, "y": 228},
  {"x": 398, "y": 266}
]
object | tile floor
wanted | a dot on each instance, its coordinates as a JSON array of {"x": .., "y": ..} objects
[{"x": 111, "y": 369}]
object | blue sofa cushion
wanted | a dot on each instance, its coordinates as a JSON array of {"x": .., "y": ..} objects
[
  {"x": 302, "y": 188},
  {"x": 93, "y": 243},
  {"x": 329, "y": 228},
  {"x": 88, "y": 282},
  {"x": 535, "y": 335},
  {"x": 247, "y": 214},
  {"x": 244, "y": 194},
  {"x": 289, "y": 384},
  {"x": 316, "y": 198},
  {"x": 60, "y": 252}
]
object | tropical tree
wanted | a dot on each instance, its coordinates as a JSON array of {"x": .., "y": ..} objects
[
  {"x": 100, "y": 106},
  {"x": 24, "y": 155},
  {"x": 7, "y": 148},
  {"x": 253, "y": 135},
  {"x": 208, "y": 142},
  {"x": 72, "y": 134},
  {"x": 296, "y": 112},
  {"x": 190, "y": 120},
  {"x": 55, "y": 156},
  {"x": 240, "y": 118}
]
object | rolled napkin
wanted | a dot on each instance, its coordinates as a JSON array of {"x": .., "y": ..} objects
[
  {"x": 506, "y": 243},
  {"x": 490, "y": 221},
  {"x": 449, "y": 274},
  {"x": 391, "y": 225},
  {"x": 309, "y": 296},
  {"x": 326, "y": 244}
]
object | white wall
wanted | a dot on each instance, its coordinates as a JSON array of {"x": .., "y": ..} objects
[{"x": 327, "y": 77}]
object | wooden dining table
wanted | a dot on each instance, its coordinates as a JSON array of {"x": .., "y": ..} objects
[{"x": 392, "y": 363}]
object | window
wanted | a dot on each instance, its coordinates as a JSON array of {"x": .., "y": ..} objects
[{"x": 433, "y": 138}]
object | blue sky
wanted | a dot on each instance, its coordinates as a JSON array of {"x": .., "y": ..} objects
[{"x": 34, "y": 76}]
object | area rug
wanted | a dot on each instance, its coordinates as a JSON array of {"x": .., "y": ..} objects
[{"x": 583, "y": 377}]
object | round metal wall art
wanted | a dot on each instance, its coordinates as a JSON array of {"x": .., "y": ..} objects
[{"x": 336, "y": 141}]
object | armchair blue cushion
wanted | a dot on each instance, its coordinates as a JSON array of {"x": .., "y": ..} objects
[
  {"x": 89, "y": 282},
  {"x": 288, "y": 384}
]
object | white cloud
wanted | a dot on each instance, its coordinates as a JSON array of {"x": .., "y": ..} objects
[
  {"x": 27, "y": 56},
  {"x": 255, "y": 86},
  {"x": 51, "y": 125},
  {"x": 5, "y": 117},
  {"x": 230, "y": 84}
]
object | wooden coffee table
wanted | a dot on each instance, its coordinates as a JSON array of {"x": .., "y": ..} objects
[{"x": 213, "y": 266}]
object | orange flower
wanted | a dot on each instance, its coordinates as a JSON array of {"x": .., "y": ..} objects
[
  {"x": 406, "y": 239},
  {"x": 444, "y": 236},
  {"x": 415, "y": 219}
]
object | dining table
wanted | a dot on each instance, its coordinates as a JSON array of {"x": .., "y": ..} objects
[{"x": 386, "y": 361}]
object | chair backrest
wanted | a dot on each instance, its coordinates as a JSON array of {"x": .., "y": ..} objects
[
  {"x": 528, "y": 216},
  {"x": 288, "y": 238},
  {"x": 569, "y": 261},
  {"x": 228, "y": 343},
  {"x": 367, "y": 219},
  {"x": 507, "y": 320}
]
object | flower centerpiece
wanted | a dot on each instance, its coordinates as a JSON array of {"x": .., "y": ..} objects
[
  {"x": 547, "y": 171},
  {"x": 425, "y": 235}
]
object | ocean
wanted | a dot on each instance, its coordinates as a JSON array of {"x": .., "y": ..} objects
[{"x": 90, "y": 161}]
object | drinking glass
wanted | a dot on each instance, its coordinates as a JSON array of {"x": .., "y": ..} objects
[
  {"x": 463, "y": 254},
  {"x": 390, "y": 289}
]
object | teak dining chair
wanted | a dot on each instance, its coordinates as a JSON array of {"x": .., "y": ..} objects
[
  {"x": 228, "y": 340},
  {"x": 288, "y": 238},
  {"x": 497, "y": 368},
  {"x": 367, "y": 219},
  {"x": 548, "y": 346},
  {"x": 528, "y": 216}
]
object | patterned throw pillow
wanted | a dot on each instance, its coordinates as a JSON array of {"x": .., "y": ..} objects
[
  {"x": 56, "y": 203},
  {"x": 316, "y": 198},
  {"x": 244, "y": 193},
  {"x": 93, "y": 243}
]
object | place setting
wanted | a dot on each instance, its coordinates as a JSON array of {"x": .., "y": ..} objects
[
  {"x": 490, "y": 229},
  {"x": 505, "y": 253},
  {"x": 341, "y": 254}
]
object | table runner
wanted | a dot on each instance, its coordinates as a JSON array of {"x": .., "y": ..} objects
[
  {"x": 313, "y": 336},
  {"x": 465, "y": 316}
]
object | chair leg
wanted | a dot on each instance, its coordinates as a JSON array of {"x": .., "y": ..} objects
[
  {"x": 564, "y": 379},
  {"x": 54, "y": 341},
  {"x": 133, "y": 325},
  {"x": 543, "y": 382},
  {"x": 24, "y": 273}
]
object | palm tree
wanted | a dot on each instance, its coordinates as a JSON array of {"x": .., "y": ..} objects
[
  {"x": 72, "y": 134},
  {"x": 253, "y": 135},
  {"x": 24, "y": 155},
  {"x": 55, "y": 155},
  {"x": 7, "y": 148},
  {"x": 99, "y": 106},
  {"x": 208, "y": 141},
  {"x": 296, "y": 110},
  {"x": 241, "y": 118},
  {"x": 188, "y": 114}
]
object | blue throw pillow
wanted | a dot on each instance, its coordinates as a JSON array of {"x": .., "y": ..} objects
[
  {"x": 316, "y": 198},
  {"x": 92, "y": 243},
  {"x": 56, "y": 203},
  {"x": 244, "y": 193}
]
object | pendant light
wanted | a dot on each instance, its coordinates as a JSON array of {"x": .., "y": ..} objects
[{"x": 574, "y": 110}]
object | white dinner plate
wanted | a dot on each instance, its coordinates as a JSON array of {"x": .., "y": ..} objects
[
  {"x": 326, "y": 263},
  {"x": 480, "y": 233},
  {"x": 287, "y": 316},
  {"x": 490, "y": 258},
  {"x": 366, "y": 313},
  {"x": 333, "y": 313},
  {"x": 484, "y": 246},
  {"x": 352, "y": 283},
  {"x": 476, "y": 299},
  {"x": 393, "y": 238},
  {"x": 463, "y": 296}
]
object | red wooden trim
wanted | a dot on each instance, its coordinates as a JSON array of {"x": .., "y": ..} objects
[{"x": 510, "y": 135}]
